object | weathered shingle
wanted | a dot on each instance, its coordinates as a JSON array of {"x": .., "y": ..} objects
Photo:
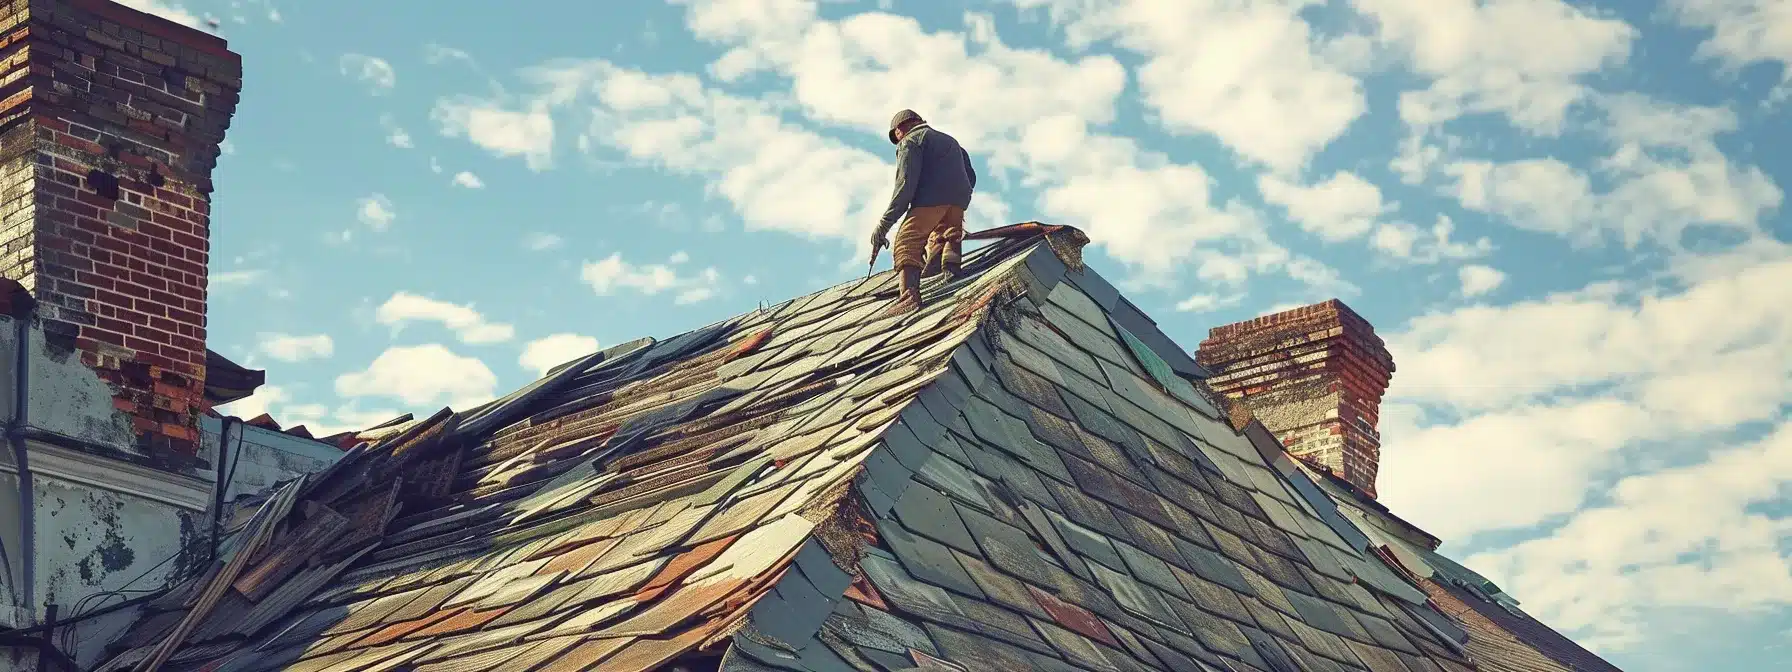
[{"x": 1004, "y": 480}]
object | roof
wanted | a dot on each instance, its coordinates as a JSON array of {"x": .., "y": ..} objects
[
  {"x": 1501, "y": 636},
  {"x": 226, "y": 381},
  {"x": 1020, "y": 476}
]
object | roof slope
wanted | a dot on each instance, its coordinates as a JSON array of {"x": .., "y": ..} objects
[
  {"x": 1502, "y": 637},
  {"x": 1019, "y": 476}
]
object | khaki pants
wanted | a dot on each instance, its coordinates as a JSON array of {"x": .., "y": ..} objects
[{"x": 933, "y": 232}]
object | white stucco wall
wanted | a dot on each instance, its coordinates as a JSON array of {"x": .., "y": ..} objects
[{"x": 106, "y": 529}]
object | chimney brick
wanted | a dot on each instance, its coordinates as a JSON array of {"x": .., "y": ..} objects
[
  {"x": 110, "y": 125},
  {"x": 1314, "y": 376}
]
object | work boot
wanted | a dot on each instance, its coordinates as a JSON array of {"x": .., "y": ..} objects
[
  {"x": 952, "y": 269},
  {"x": 908, "y": 300},
  {"x": 933, "y": 266}
]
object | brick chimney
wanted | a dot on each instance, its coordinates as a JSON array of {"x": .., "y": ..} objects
[
  {"x": 110, "y": 121},
  {"x": 1314, "y": 376}
]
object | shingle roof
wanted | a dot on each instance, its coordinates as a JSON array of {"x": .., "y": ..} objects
[
  {"x": 1021, "y": 476},
  {"x": 1501, "y": 636}
]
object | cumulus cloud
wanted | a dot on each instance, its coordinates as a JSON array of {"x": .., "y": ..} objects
[
  {"x": 503, "y": 130},
  {"x": 294, "y": 348},
  {"x": 467, "y": 324},
  {"x": 550, "y": 351},
  {"x": 1201, "y": 303},
  {"x": 468, "y": 180},
  {"x": 1594, "y": 417},
  {"x": 1665, "y": 176},
  {"x": 1478, "y": 279},
  {"x": 1407, "y": 242},
  {"x": 613, "y": 275},
  {"x": 1248, "y": 74},
  {"x": 1024, "y": 109},
  {"x": 437, "y": 54},
  {"x": 1016, "y": 109},
  {"x": 422, "y": 375},
  {"x": 1341, "y": 207},
  {"x": 376, "y": 212},
  {"x": 1540, "y": 416},
  {"x": 319, "y": 419},
  {"x": 1743, "y": 32},
  {"x": 372, "y": 71},
  {"x": 1346, "y": 207},
  {"x": 1700, "y": 536},
  {"x": 1524, "y": 59},
  {"x": 396, "y": 136}
]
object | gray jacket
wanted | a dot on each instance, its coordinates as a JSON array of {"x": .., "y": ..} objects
[{"x": 931, "y": 169}]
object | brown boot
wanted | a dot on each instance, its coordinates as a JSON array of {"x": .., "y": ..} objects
[
  {"x": 952, "y": 269},
  {"x": 909, "y": 299}
]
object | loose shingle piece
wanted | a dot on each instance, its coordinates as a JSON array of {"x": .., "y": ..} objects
[{"x": 1002, "y": 480}]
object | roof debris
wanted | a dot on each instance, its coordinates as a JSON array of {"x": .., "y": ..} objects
[{"x": 1002, "y": 480}]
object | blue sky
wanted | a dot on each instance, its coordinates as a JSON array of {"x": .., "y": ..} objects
[{"x": 1566, "y": 219}]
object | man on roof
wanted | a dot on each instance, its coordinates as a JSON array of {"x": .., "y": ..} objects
[{"x": 934, "y": 180}]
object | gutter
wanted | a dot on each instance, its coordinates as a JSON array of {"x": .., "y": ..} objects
[{"x": 16, "y": 432}]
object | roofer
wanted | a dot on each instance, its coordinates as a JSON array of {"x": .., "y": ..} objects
[{"x": 934, "y": 180}]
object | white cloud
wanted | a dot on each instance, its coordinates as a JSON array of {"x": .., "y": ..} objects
[
  {"x": 1743, "y": 32},
  {"x": 468, "y": 180},
  {"x": 422, "y": 375},
  {"x": 613, "y": 275},
  {"x": 1528, "y": 403},
  {"x": 293, "y": 348},
  {"x": 470, "y": 326},
  {"x": 1665, "y": 176},
  {"x": 1704, "y": 535},
  {"x": 320, "y": 420},
  {"x": 375, "y": 212},
  {"x": 373, "y": 71},
  {"x": 1525, "y": 59},
  {"x": 679, "y": 257},
  {"x": 1246, "y": 73},
  {"x": 540, "y": 241},
  {"x": 1018, "y": 110},
  {"x": 1022, "y": 109},
  {"x": 1342, "y": 207},
  {"x": 168, "y": 10},
  {"x": 262, "y": 401},
  {"x": 1478, "y": 279},
  {"x": 1407, "y": 242},
  {"x": 1201, "y": 303},
  {"x": 547, "y": 352},
  {"x": 236, "y": 278},
  {"x": 777, "y": 175},
  {"x": 505, "y": 132},
  {"x": 436, "y": 54},
  {"x": 396, "y": 135}
]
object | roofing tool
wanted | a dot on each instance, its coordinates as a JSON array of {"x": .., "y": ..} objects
[{"x": 872, "y": 267}]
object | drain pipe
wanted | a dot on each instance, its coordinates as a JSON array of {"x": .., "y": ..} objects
[
  {"x": 15, "y": 434},
  {"x": 222, "y": 486}
]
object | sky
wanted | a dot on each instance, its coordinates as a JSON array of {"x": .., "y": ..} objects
[{"x": 1567, "y": 220}]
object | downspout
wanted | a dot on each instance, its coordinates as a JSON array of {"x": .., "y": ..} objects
[
  {"x": 15, "y": 434},
  {"x": 223, "y": 478}
]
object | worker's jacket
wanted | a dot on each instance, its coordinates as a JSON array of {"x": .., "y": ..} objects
[{"x": 931, "y": 169}]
